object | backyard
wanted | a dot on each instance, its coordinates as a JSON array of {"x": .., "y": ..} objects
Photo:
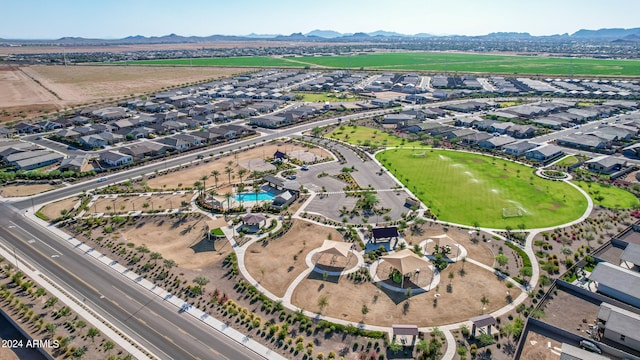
[{"x": 479, "y": 190}]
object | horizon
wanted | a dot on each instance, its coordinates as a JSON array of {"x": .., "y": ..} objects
[{"x": 117, "y": 19}]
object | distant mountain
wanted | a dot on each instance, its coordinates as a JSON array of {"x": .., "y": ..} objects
[
  {"x": 633, "y": 38},
  {"x": 326, "y": 34},
  {"x": 605, "y": 33},
  {"x": 508, "y": 35},
  {"x": 386, "y": 33},
  {"x": 262, "y": 36}
]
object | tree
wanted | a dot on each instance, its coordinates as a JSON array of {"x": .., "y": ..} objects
[
  {"x": 364, "y": 310},
  {"x": 485, "y": 301},
  {"x": 451, "y": 276},
  {"x": 322, "y": 303},
  {"x": 201, "y": 280},
  {"x": 502, "y": 260},
  {"x": 92, "y": 333},
  {"x": 526, "y": 272},
  {"x": 215, "y": 174},
  {"x": 566, "y": 251},
  {"x": 241, "y": 173},
  {"x": 395, "y": 347},
  {"x": 256, "y": 191},
  {"x": 155, "y": 256},
  {"x": 204, "y": 179},
  {"x": 79, "y": 352},
  {"x": 228, "y": 171},
  {"x": 51, "y": 302},
  {"x": 108, "y": 345},
  {"x": 228, "y": 196},
  {"x": 316, "y": 131},
  {"x": 168, "y": 263},
  {"x": 51, "y": 328}
]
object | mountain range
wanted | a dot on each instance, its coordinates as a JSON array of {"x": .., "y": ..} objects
[{"x": 614, "y": 35}]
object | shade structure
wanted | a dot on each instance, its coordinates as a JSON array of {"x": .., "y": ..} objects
[
  {"x": 335, "y": 248},
  {"x": 253, "y": 219},
  {"x": 405, "y": 261},
  {"x": 437, "y": 238}
]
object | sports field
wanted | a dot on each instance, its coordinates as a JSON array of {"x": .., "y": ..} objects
[
  {"x": 608, "y": 196},
  {"x": 429, "y": 61},
  {"x": 474, "y": 189}
]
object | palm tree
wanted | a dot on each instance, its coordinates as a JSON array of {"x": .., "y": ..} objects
[
  {"x": 228, "y": 196},
  {"x": 256, "y": 191},
  {"x": 228, "y": 171},
  {"x": 204, "y": 183},
  {"x": 197, "y": 185},
  {"x": 108, "y": 345},
  {"x": 242, "y": 172},
  {"x": 215, "y": 174}
]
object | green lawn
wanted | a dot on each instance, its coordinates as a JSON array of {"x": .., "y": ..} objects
[
  {"x": 481, "y": 63},
  {"x": 567, "y": 161},
  {"x": 361, "y": 135},
  {"x": 608, "y": 196},
  {"x": 474, "y": 189}
]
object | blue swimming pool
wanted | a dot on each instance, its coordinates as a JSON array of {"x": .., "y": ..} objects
[{"x": 262, "y": 196}]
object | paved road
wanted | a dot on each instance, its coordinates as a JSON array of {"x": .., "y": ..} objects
[{"x": 144, "y": 317}]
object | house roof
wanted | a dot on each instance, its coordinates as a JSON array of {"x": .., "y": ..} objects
[
  {"x": 621, "y": 321},
  {"x": 617, "y": 278},
  {"x": 254, "y": 219},
  {"x": 631, "y": 254},
  {"x": 606, "y": 161},
  {"x": 522, "y": 146},
  {"x": 577, "y": 353},
  {"x": 548, "y": 150},
  {"x": 50, "y": 156},
  {"x": 112, "y": 155}
]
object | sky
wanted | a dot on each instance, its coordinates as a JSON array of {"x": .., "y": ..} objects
[{"x": 108, "y": 19}]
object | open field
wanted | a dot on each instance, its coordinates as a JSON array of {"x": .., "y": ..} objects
[
  {"x": 608, "y": 196},
  {"x": 345, "y": 299},
  {"x": 55, "y": 209},
  {"x": 362, "y": 135},
  {"x": 442, "y": 61},
  {"x": 36, "y": 90},
  {"x": 474, "y": 189},
  {"x": 25, "y": 189},
  {"x": 276, "y": 263},
  {"x": 328, "y": 97}
]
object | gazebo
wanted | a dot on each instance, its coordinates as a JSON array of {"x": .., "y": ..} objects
[
  {"x": 405, "y": 261},
  {"x": 252, "y": 222},
  {"x": 335, "y": 248}
]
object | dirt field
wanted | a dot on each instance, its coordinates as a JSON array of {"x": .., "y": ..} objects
[
  {"x": 34, "y": 90},
  {"x": 478, "y": 251},
  {"x": 24, "y": 189},
  {"x": 53, "y": 210},
  {"x": 273, "y": 265},
  {"x": 8, "y": 354},
  {"x": 193, "y": 173},
  {"x": 174, "y": 239},
  {"x": 535, "y": 347},
  {"x": 124, "y": 204},
  {"x": 345, "y": 299}
]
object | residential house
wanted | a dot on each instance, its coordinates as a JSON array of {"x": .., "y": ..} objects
[
  {"x": 521, "y": 131},
  {"x": 392, "y": 121},
  {"x": 606, "y": 164},
  {"x": 93, "y": 141},
  {"x": 519, "y": 148},
  {"x": 500, "y": 127},
  {"x": 270, "y": 121},
  {"x": 458, "y": 133},
  {"x": 174, "y": 143},
  {"x": 585, "y": 141},
  {"x": 632, "y": 151},
  {"x": 25, "y": 128},
  {"x": 544, "y": 153},
  {"x": 617, "y": 282},
  {"x": 74, "y": 163},
  {"x": 620, "y": 325},
  {"x": 193, "y": 141},
  {"x": 114, "y": 158},
  {"x": 39, "y": 161},
  {"x": 476, "y": 138},
  {"x": 496, "y": 142}
]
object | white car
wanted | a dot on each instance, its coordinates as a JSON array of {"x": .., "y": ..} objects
[{"x": 588, "y": 345}]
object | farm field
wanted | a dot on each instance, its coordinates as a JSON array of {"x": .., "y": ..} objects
[
  {"x": 36, "y": 90},
  {"x": 608, "y": 196},
  {"x": 462, "y": 62},
  {"x": 474, "y": 189}
]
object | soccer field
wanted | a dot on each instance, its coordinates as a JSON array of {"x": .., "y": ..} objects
[
  {"x": 430, "y": 61},
  {"x": 473, "y": 189}
]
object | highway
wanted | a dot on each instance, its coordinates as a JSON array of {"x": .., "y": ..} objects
[{"x": 145, "y": 317}]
